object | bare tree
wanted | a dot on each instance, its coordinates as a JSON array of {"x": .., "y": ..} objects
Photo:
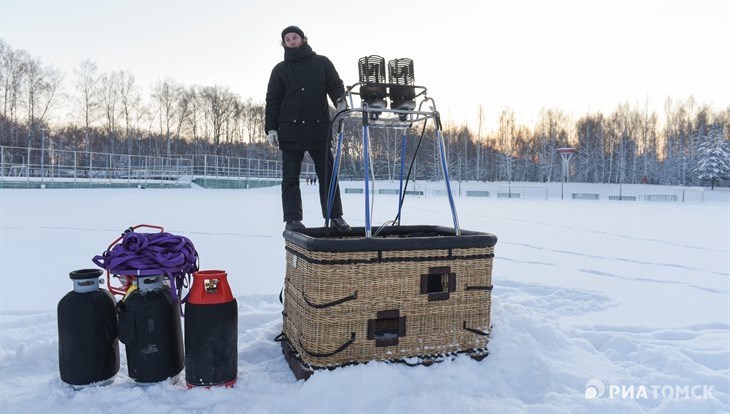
[
  {"x": 110, "y": 100},
  {"x": 219, "y": 105},
  {"x": 551, "y": 133},
  {"x": 524, "y": 152},
  {"x": 184, "y": 107},
  {"x": 679, "y": 142},
  {"x": 165, "y": 96},
  {"x": 13, "y": 70},
  {"x": 618, "y": 131},
  {"x": 505, "y": 139},
  {"x": 648, "y": 143},
  {"x": 479, "y": 143},
  {"x": 86, "y": 101},
  {"x": 253, "y": 121},
  {"x": 195, "y": 113},
  {"x": 130, "y": 99},
  {"x": 41, "y": 88},
  {"x": 591, "y": 160}
]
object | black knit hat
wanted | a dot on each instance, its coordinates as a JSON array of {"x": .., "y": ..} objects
[{"x": 292, "y": 29}]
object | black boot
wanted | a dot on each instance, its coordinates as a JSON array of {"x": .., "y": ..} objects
[
  {"x": 294, "y": 225},
  {"x": 340, "y": 224}
]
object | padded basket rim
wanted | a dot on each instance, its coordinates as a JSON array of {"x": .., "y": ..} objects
[{"x": 390, "y": 238}]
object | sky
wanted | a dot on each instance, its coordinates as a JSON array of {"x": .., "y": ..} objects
[{"x": 525, "y": 55}]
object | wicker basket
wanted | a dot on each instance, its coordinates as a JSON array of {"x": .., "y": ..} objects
[{"x": 410, "y": 293}]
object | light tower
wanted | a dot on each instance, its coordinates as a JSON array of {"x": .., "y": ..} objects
[{"x": 566, "y": 154}]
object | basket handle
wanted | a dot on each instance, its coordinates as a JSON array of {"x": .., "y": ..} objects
[
  {"x": 328, "y": 354},
  {"x": 329, "y": 304}
]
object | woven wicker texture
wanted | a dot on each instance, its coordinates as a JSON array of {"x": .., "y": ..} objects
[{"x": 332, "y": 298}]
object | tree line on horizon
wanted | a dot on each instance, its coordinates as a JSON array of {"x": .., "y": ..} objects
[{"x": 109, "y": 113}]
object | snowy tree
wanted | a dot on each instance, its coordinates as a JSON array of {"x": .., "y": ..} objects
[{"x": 713, "y": 156}]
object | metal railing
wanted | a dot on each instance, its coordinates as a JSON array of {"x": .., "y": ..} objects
[
  {"x": 240, "y": 168},
  {"x": 34, "y": 167}
]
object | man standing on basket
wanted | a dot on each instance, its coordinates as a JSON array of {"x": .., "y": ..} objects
[{"x": 297, "y": 120}]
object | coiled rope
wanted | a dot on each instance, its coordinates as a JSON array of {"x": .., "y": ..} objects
[{"x": 152, "y": 254}]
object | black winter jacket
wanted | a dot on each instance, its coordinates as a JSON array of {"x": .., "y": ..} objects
[{"x": 296, "y": 99}]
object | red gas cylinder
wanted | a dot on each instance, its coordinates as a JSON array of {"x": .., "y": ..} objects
[{"x": 211, "y": 331}]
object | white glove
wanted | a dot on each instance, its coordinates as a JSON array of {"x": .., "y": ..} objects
[
  {"x": 273, "y": 137},
  {"x": 341, "y": 105}
]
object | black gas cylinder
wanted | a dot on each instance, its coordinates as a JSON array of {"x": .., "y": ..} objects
[
  {"x": 88, "y": 348},
  {"x": 150, "y": 328}
]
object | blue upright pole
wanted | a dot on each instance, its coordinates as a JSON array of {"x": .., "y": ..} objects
[{"x": 366, "y": 166}]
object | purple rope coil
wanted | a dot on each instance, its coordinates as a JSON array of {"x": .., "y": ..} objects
[{"x": 151, "y": 254}]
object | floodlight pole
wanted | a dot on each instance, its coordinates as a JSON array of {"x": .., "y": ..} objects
[{"x": 566, "y": 154}]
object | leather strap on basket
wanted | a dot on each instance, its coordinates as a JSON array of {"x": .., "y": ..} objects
[
  {"x": 328, "y": 354},
  {"x": 476, "y": 331},
  {"x": 487, "y": 288},
  {"x": 329, "y": 304}
]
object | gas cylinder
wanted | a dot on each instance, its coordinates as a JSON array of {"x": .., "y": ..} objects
[
  {"x": 88, "y": 348},
  {"x": 150, "y": 328},
  {"x": 211, "y": 331}
]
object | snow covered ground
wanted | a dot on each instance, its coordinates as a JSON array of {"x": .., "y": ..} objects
[{"x": 627, "y": 302}]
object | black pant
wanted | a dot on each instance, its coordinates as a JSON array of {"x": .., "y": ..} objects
[{"x": 291, "y": 196}]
